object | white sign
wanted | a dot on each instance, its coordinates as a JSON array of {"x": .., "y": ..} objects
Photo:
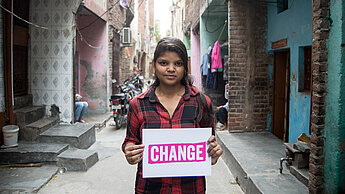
[{"x": 176, "y": 152}]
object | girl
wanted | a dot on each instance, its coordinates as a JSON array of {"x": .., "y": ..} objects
[{"x": 171, "y": 102}]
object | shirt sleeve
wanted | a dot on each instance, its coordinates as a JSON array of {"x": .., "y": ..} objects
[
  {"x": 226, "y": 106},
  {"x": 133, "y": 125}
]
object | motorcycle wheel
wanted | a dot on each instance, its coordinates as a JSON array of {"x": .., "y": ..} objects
[{"x": 118, "y": 119}]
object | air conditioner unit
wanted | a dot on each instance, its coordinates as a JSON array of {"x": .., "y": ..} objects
[{"x": 126, "y": 36}]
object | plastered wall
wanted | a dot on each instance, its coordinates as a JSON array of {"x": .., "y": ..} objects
[
  {"x": 92, "y": 46},
  {"x": 294, "y": 24}
]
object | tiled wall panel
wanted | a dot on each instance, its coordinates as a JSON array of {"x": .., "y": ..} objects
[{"x": 52, "y": 54}]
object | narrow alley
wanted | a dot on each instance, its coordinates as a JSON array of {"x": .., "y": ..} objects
[{"x": 266, "y": 77}]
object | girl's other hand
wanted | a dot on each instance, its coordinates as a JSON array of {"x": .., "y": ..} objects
[
  {"x": 214, "y": 150},
  {"x": 134, "y": 153}
]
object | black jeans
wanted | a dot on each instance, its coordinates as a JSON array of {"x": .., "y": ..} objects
[{"x": 222, "y": 115}]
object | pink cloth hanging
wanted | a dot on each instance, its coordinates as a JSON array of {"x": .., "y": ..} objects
[{"x": 216, "y": 58}]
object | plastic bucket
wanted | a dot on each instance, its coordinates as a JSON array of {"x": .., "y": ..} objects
[{"x": 10, "y": 135}]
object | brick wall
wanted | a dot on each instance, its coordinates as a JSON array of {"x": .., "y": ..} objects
[
  {"x": 117, "y": 15},
  {"x": 142, "y": 21},
  {"x": 188, "y": 12},
  {"x": 126, "y": 64},
  {"x": 116, "y": 21},
  {"x": 319, "y": 71},
  {"x": 193, "y": 11},
  {"x": 250, "y": 91}
]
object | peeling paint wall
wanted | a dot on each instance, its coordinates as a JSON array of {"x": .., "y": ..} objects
[
  {"x": 91, "y": 79},
  {"x": 295, "y": 24},
  {"x": 334, "y": 133}
]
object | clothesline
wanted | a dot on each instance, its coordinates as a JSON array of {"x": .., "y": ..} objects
[{"x": 225, "y": 22}]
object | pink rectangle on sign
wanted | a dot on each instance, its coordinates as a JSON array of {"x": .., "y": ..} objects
[{"x": 173, "y": 153}]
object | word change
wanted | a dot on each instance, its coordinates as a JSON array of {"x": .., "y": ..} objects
[{"x": 169, "y": 153}]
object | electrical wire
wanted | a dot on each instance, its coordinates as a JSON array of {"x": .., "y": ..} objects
[
  {"x": 30, "y": 23},
  {"x": 141, "y": 3},
  {"x": 84, "y": 40},
  {"x": 99, "y": 17}
]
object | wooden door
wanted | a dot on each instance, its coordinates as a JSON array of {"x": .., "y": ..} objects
[{"x": 280, "y": 94}]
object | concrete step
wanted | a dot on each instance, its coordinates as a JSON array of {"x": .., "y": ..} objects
[
  {"x": 253, "y": 159},
  {"x": 77, "y": 159},
  {"x": 28, "y": 152},
  {"x": 29, "y": 114},
  {"x": 301, "y": 174},
  {"x": 78, "y": 135},
  {"x": 25, "y": 180},
  {"x": 32, "y": 131},
  {"x": 22, "y": 101}
]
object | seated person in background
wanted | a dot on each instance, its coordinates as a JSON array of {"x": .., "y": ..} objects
[
  {"x": 80, "y": 108},
  {"x": 222, "y": 115},
  {"x": 222, "y": 111}
]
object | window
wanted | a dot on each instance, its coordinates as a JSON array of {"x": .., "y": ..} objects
[
  {"x": 282, "y": 5},
  {"x": 307, "y": 68},
  {"x": 304, "y": 69}
]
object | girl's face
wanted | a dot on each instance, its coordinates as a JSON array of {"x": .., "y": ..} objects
[{"x": 169, "y": 69}]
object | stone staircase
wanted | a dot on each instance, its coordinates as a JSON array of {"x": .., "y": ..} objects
[{"x": 43, "y": 140}]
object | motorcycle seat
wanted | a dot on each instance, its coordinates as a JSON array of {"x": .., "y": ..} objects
[{"x": 114, "y": 96}]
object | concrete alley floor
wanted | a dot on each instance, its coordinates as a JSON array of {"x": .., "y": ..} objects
[{"x": 112, "y": 174}]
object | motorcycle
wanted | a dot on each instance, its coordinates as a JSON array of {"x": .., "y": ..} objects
[
  {"x": 137, "y": 81},
  {"x": 120, "y": 104}
]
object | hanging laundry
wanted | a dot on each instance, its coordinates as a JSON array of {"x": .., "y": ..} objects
[
  {"x": 216, "y": 57},
  {"x": 204, "y": 64},
  {"x": 209, "y": 79},
  {"x": 209, "y": 52},
  {"x": 215, "y": 81},
  {"x": 225, "y": 69}
]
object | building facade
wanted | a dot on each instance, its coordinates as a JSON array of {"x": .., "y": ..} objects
[
  {"x": 63, "y": 51},
  {"x": 285, "y": 73}
]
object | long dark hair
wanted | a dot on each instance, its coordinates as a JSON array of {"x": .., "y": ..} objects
[{"x": 177, "y": 46}]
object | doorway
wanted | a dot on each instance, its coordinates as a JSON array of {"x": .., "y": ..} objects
[
  {"x": 20, "y": 48},
  {"x": 281, "y": 88}
]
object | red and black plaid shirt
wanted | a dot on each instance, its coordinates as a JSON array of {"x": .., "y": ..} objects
[{"x": 146, "y": 112}]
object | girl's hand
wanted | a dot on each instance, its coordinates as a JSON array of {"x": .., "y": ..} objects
[
  {"x": 134, "y": 153},
  {"x": 214, "y": 150}
]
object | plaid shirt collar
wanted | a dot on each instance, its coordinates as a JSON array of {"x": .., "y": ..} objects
[{"x": 190, "y": 91}]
